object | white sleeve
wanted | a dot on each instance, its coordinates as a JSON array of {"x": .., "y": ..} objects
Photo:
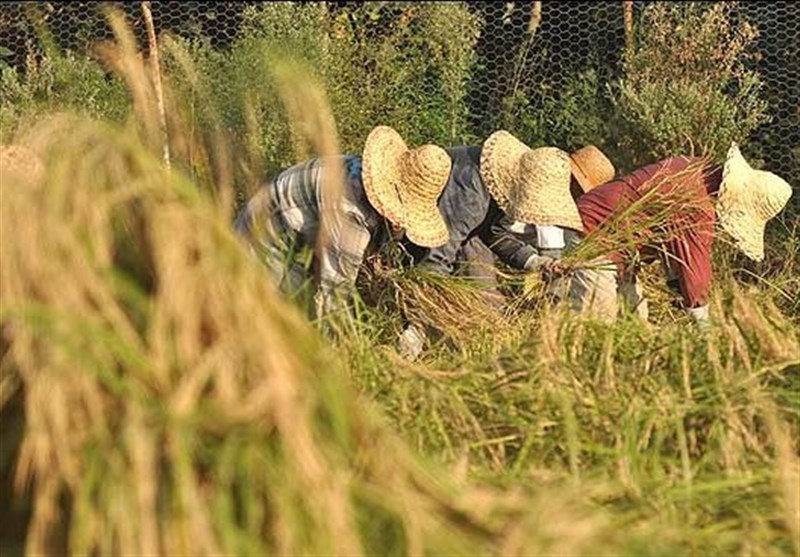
[
  {"x": 519, "y": 227},
  {"x": 550, "y": 237}
]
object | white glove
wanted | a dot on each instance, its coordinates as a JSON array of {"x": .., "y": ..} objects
[
  {"x": 535, "y": 262},
  {"x": 411, "y": 343},
  {"x": 700, "y": 316}
]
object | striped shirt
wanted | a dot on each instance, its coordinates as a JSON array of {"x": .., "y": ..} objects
[{"x": 285, "y": 216}]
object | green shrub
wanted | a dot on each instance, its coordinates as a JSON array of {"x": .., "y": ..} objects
[
  {"x": 382, "y": 63},
  {"x": 59, "y": 81},
  {"x": 686, "y": 84},
  {"x": 569, "y": 116}
]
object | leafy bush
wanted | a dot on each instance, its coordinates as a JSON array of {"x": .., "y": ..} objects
[
  {"x": 687, "y": 86},
  {"x": 569, "y": 116},
  {"x": 382, "y": 63},
  {"x": 64, "y": 80}
]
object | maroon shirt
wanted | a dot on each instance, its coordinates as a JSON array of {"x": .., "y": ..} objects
[{"x": 676, "y": 213}]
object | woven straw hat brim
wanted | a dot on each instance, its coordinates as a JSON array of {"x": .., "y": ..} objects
[
  {"x": 591, "y": 167},
  {"x": 403, "y": 191},
  {"x": 380, "y": 172},
  {"x": 500, "y": 156},
  {"x": 748, "y": 199},
  {"x": 424, "y": 175},
  {"x": 539, "y": 195},
  {"x": 749, "y": 238},
  {"x": 549, "y": 207},
  {"x": 428, "y": 229},
  {"x": 580, "y": 176}
]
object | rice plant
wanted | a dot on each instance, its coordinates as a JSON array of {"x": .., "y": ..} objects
[{"x": 160, "y": 397}]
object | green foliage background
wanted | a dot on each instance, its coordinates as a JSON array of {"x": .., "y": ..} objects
[{"x": 689, "y": 83}]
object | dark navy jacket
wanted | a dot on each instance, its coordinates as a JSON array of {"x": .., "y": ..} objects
[{"x": 469, "y": 211}]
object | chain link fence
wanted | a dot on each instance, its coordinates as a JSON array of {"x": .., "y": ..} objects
[{"x": 561, "y": 73}]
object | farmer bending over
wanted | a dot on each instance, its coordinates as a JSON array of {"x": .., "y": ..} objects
[
  {"x": 388, "y": 191},
  {"x": 512, "y": 199},
  {"x": 668, "y": 210}
]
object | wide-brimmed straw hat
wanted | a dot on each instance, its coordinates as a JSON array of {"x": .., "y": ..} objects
[
  {"x": 529, "y": 185},
  {"x": 591, "y": 167},
  {"x": 21, "y": 164},
  {"x": 404, "y": 184},
  {"x": 747, "y": 199}
]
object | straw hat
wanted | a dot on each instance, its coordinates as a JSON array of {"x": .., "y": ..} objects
[
  {"x": 591, "y": 167},
  {"x": 748, "y": 198},
  {"x": 530, "y": 185},
  {"x": 20, "y": 162},
  {"x": 404, "y": 184}
]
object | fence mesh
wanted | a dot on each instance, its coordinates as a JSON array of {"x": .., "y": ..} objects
[{"x": 553, "y": 72}]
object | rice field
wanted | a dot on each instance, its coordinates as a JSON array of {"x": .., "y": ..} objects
[{"x": 158, "y": 396}]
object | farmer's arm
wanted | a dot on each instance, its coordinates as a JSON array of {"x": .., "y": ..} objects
[
  {"x": 691, "y": 257},
  {"x": 496, "y": 232},
  {"x": 340, "y": 259},
  {"x": 544, "y": 243}
]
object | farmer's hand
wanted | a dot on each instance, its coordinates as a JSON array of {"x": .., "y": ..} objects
[
  {"x": 553, "y": 269},
  {"x": 700, "y": 316},
  {"x": 537, "y": 262},
  {"x": 411, "y": 343}
]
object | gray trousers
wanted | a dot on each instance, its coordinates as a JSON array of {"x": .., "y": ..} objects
[{"x": 597, "y": 291}]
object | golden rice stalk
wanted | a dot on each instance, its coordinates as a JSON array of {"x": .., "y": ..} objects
[
  {"x": 155, "y": 67},
  {"x": 651, "y": 220},
  {"x": 105, "y": 198},
  {"x": 208, "y": 158},
  {"x": 123, "y": 57},
  {"x": 787, "y": 464},
  {"x": 454, "y": 306},
  {"x": 174, "y": 404},
  {"x": 746, "y": 325},
  {"x": 102, "y": 353},
  {"x": 312, "y": 122},
  {"x": 206, "y": 153},
  {"x": 23, "y": 162}
]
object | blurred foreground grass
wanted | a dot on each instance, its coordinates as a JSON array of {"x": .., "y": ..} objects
[{"x": 158, "y": 397}]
